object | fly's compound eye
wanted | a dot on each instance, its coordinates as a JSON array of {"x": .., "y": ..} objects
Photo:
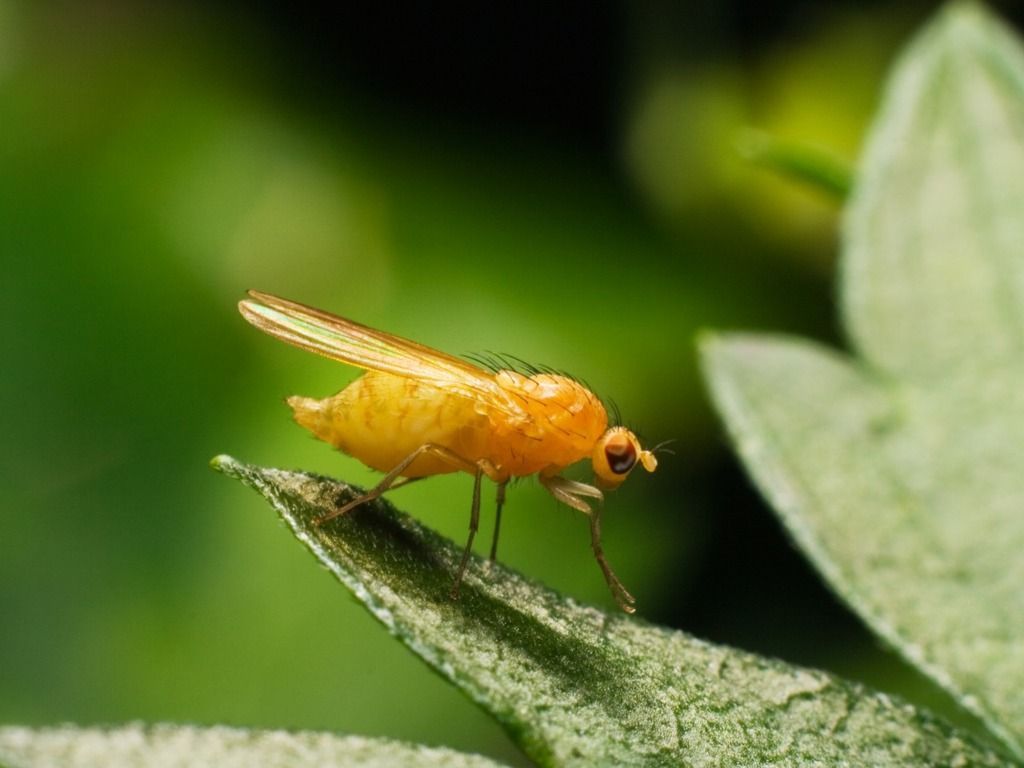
[{"x": 621, "y": 456}]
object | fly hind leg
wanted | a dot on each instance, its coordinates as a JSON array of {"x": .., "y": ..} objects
[
  {"x": 392, "y": 479},
  {"x": 474, "y": 523},
  {"x": 573, "y": 494}
]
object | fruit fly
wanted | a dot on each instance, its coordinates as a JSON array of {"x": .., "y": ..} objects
[{"x": 418, "y": 412}]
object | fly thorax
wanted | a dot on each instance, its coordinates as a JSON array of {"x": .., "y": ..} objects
[{"x": 557, "y": 408}]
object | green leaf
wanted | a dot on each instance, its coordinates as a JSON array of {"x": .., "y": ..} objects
[
  {"x": 170, "y": 746},
  {"x": 901, "y": 473},
  {"x": 934, "y": 251},
  {"x": 797, "y": 160},
  {"x": 908, "y": 501},
  {"x": 576, "y": 686}
]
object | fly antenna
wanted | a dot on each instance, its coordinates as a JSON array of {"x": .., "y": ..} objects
[{"x": 660, "y": 447}]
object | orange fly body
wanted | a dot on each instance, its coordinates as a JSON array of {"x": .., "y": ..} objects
[{"x": 418, "y": 412}]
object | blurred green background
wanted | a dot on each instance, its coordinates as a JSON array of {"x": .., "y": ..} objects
[{"x": 559, "y": 183}]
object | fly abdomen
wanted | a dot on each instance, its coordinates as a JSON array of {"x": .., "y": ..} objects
[{"x": 380, "y": 419}]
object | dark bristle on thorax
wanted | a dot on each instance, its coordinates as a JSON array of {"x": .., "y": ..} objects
[
  {"x": 500, "y": 361},
  {"x": 615, "y": 415}
]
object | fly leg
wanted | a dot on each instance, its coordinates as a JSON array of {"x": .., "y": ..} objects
[
  {"x": 474, "y": 522},
  {"x": 481, "y": 468},
  {"x": 622, "y": 596},
  {"x": 404, "y": 482},
  {"x": 497, "y": 518},
  {"x": 571, "y": 492},
  {"x": 391, "y": 479}
]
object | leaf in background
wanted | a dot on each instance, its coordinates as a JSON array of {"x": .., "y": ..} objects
[
  {"x": 797, "y": 160},
  {"x": 933, "y": 269},
  {"x": 902, "y": 475},
  {"x": 174, "y": 746},
  {"x": 575, "y": 686}
]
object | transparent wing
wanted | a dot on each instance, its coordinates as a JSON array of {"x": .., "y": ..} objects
[{"x": 363, "y": 347}]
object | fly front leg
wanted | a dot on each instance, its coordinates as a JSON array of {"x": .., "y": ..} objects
[
  {"x": 622, "y": 596},
  {"x": 570, "y": 492},
  {"x": 573, "y": 494},
  {"x": 391, "y": 479}
]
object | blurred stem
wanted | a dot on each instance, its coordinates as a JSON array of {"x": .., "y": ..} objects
[{"x": 797, "y": 160}]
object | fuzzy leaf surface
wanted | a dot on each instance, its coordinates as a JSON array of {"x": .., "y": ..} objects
[
  {"x": 575, "y": 686},
  {"x": 184, "y": 746},
  {"x": 900, "y": 472},
  {"x": 933, "y": 261},
  {"x": 907, "y": 499}
]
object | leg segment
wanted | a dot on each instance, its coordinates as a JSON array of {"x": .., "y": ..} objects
[
  {"x": 571, "y": 492},
  {"x": 391, "y": 479},
  {"x": 497, "y": 518},
  {"x": 474, "y": 522},
  {"x": 619, "y": 592}
]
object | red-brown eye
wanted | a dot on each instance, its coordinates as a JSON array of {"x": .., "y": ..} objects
[{"x": 621, "y": 457}]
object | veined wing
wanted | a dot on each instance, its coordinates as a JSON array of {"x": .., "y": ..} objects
[{"x": 363, "y": 347}]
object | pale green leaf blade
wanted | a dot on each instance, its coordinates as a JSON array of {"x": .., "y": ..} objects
[
  {"x": 185, "y": 746},
  {"x": 907, "y": 499},
  {"x": 577, "y": 687},
  {"x": 934, "y": 238}
]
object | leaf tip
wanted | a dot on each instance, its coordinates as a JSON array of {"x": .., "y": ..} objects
[
  {"x": 707, "y": 340},
  {"x": 716, "y": 347},
  {"x": 227, "y": 465},
  {"x": 959, "y": 16},
  {"x": 964, "y": 9}
]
